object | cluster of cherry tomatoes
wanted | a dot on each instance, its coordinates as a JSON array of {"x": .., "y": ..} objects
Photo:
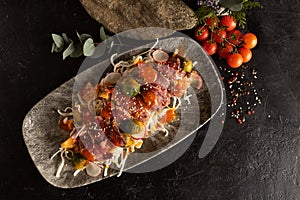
[{"x": 220, "y": 35}]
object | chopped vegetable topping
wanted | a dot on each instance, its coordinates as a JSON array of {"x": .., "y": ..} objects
[
  {"x": 129, "y": 86},
  {"x": 78, "y": 161}
]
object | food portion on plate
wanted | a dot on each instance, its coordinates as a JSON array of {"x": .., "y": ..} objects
[{"x": 109, "y": 120}]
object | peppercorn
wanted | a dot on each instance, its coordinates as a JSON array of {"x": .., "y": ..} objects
[{"x": 242, "y": 91}]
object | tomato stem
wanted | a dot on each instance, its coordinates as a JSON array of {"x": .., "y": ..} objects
[{"x": 225, "y": 39}]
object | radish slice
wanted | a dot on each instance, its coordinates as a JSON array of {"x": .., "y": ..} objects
[
  {"x": 140, "y": 135},
  {"x": 160, "y": 56},
  {"x": 196, "y": 80},
  {"x": 93, "y": 169},
  {"x": 111, "y": 78}
]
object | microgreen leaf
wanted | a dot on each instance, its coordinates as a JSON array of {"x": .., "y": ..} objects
[
  {"x": 88, "y": 47},
  {"x": 69, "y": 50},
  {"x": 58, "y": 40}
]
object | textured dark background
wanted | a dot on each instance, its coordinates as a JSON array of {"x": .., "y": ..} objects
[{"x": 256, "y": 160}]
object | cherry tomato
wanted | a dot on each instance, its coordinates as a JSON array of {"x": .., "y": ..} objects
[
  {"x": 212, "y": 22},
  {"x": 229, "y": 22},
  {"x": 219, "y": 36},
  {"x": 245, "y": 53},
  {"x": 235, "y": 37},
  {"x": 224, "y": 51},
  {"x": 235, "y": 60},
  {"x": 201, "y": 33},
  {"x": 250, "y": 40},
  {"x": 210, "y": 47}
]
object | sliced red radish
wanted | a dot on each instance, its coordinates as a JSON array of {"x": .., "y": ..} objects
[
  {"x": 140, "y": 135},
  {"x": 160, "y": 56},
  {"x": 93, "y": 169},
  {"x": 196, "y": 80}
]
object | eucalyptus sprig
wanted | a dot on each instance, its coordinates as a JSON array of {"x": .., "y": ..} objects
[{"x": 84, "y": 46}]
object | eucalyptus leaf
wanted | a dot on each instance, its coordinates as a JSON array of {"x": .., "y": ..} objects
[
  {"x": 236, "y": 7},
  {"x": 88, "y": 47},
  {"x": 65, "y": 37},
  {"x": 111, "y": 46},
  {"x": 78, "y": 51},
  {"x": 99, "y": 51},
  {"x": 58, "y": 40},
  {"x": 78, "y": 35},
  {"x": 233, "y": 5},
  {"x": 69, "y": 50},
  {"x": 102, "y": 34},
  {"x": 84, "y": 37},
  {"x": 55, "y": 48}
]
